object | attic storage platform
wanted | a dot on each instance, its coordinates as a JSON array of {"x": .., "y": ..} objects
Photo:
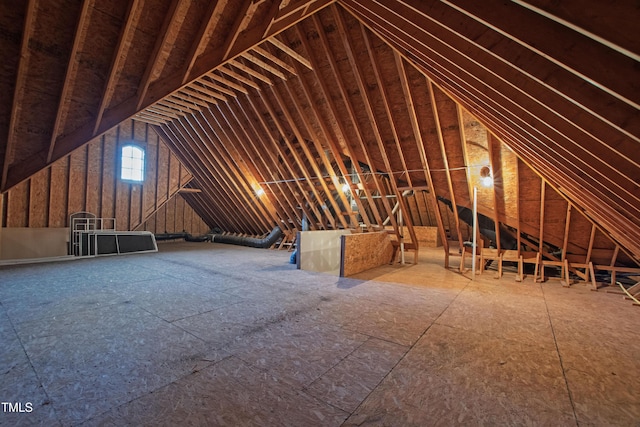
[{"x": 92, "y": 236}]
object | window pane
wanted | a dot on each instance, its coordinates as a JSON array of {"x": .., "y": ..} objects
[{"x": 132, "y": 163}]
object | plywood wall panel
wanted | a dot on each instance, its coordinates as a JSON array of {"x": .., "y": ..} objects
[
  {"x": 174, "y": 174},
  {"x": 179, "y": 213},
  {"x": 149, "y": 224},
  {"x": 77, "y": 180},
  {"x": 555, "y": 218},
  {"x": 149, "y": 190},
  {"x": 39, "y": 199},
  {"x": 185, "y": 220},
  {"x": 109, "y": 175},
  {"x": 163, "y": 174},
  {"x": 94, "y": 177},
  {"x": 58, "y": 193},
  {"x": 579, "y": 232},
  {"x": 161, "y": 219},
  {"x": 88, "y": 180},
  {"x": 18, "y": 206},
  {"x": 170, "y": 209},
  {"x": 135, "y": 211}
]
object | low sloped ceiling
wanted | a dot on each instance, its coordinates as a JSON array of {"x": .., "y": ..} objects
[{"x": 310, "y": 94}]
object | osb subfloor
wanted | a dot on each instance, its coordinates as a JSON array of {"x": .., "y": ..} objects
[{"x": 210, "y": 334}]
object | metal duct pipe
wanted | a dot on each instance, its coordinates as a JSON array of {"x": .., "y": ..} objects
[{"x": 252, "y": 242}]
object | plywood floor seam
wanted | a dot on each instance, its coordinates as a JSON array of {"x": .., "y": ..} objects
[{"x": 211, "y": 334}]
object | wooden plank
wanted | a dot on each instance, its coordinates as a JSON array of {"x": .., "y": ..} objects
[
  {"x": 333, "y": 147},
  {"x": 18, "y": 205},
  {"x": 424, "y": 160},
  {"x": 298, "y": 160},
  {"x": 132, "y": 16},
  {"x": 311, "y": 158},
  {"x": 565, "y": 240},
  {"x": 292, "y": 53},
  {"x": 209, "y": 21},
  {"x": 223, "y": 178},
  {"x": 170, "y": 20},
  {"x": 220, "y": 79},
  {"x": 19, "y": 89},
  {"x": 304, "y": 199},
  {"x": 38, "y": 203},
  {"x": 58, "y": 193},
  {"x": 71, "y": 71},
  {"x": 94, "y": 176},
  {"x": 498, "y": 188},
  {"x": 150, "y": 190},
  {"x": 575, "y": 186},
  {"x": 219, "y": 211},
  {"x": 251, "y": 71},
  {"x": 231, "y": 73},
  {"x": 208, "y": 82},
  {"x": 235, "y": 30},
  {"x": 443, "y": 152},
  {"x": 336, "y": 117},
  {"x": 255, "y": 162},
  {"x": 242, "y": 180},
  {"x": 77, "y": 181}
]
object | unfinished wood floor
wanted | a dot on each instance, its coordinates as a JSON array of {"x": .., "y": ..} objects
[{"x": 210, "y": 334}]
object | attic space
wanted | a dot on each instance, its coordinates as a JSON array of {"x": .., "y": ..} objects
[{"x": 319, "y": 212}]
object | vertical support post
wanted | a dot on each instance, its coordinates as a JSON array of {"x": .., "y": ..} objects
[
  {"x": 401, "y": 226},
  {"x": 475, "y": 234}
]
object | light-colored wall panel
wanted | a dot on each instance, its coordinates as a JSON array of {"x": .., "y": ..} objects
[{"x": 320, "y": 250}]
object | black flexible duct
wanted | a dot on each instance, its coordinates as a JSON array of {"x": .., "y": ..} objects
[
  {"x": 252, "y": 242},
  {"x": 186, "y": 236},
  {"x": 486, "y": 226}
]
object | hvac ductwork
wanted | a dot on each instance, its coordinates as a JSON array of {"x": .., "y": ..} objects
[{"x": 252, "y": 242}]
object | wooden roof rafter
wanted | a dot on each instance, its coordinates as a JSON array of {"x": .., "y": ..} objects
[
  {"x": 291, "y": 52},
  {"x": 250, "y": 71},
  {"x": 333, "y": 146},
  {"x": 227, "y": 82},
  {"x": 234, "y": 151},
  {"x": 237, "y": 178},
  {"x": 71, "y": 71},
  {"x": 132, "y": 16},
  {"x": 424, "y": 159},
  {"x": 497, "y": 115},
  {"x": 264, "y": 52},
  {"x": 258, "y": 158},
  {"x": 373, "y": 121},
  {"x": 171, "y": 18},
  {"x": 19, "y": 88},
  {"x": 263, "y": 65},
  {"x": 209, "y": 21},
  {"x": 233, "y": 194},
  {"x": 211, "y": 87},
  {"x": 151, "y": 91},
  {"x": 315, "y": 173},
  {"x": 239, "y": 77},
  {"x": 208, "y": 180},
  {"x": 271, "y": 167},
  {"x": 315, "y": 140},
  {"x": 274, "y": 149},
  {"x": 333, "y": 66}
]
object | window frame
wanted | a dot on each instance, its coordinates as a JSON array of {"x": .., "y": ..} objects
[{"x": 142, "y": 149}]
